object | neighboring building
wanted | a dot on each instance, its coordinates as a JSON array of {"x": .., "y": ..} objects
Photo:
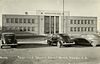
[
  {"x": 21, "y": 23},
  {"x": 81, "y": 25},
  {"x": 45, "y": 22}
]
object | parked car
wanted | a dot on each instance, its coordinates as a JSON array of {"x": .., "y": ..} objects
[
  {"x": 8, "y": 39},
  {"x": 60, "y": 40},
  {"x": 52, "y": 39},
  {"x": 81, "y": 41},
  {"x": 92, "y": 40}
]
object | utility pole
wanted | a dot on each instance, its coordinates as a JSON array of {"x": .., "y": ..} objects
[{"x": 63, "y": 16}]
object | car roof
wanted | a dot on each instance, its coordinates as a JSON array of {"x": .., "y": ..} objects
[
  {"x": 7, "y": 33},
  {"x": 63, "y": 34}
]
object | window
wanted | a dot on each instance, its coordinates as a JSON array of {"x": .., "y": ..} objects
[
  {"x": 28, "y": 28},
  {"x": 88, "y": 28},
  {"x": 12, "y": 20},
  {"x": 88, "y": 21},
  {"x": 92, "y": 21},
  {"x": 85, "y": 29},
  {"x": 81, "y": 21},
  {"x": 33, "y": 21},
  {"x": 92, "y": 29},
  {"x": 16, "y": 20},
  {"x": 71, "y": 28},
  {"x": 78, "y": 21},
  {"x": 74, "y": 21},
  {"x": 7, "y": 20},
  {"x": 24, "y": 20},
  {"x": 28, "y": 20},
  {"x": 20, "y": 20},
  {"x": 32, "y": 28},
  {"x": 24, "y": 28},
  {"x": 71, "y": 21},
  {"x": 85, "y": 21},
  {"x": 78, "y": 28},
  {"x": 74, "y": 28},
  {"x": 82, "y": 29}
]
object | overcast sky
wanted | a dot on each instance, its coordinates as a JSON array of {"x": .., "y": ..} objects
[{"x": 76, "y": 7}]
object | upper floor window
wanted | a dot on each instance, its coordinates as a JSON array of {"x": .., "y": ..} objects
[
  {"x": 88, "y": 21},
  {"x": 16, "y": 20},
  {"x": 12, "y": 20},
  {"x": 92, "y": 21},
  {"x": 74, "y": 21},
  {"x": 28, "y": 20},
  {"x": 71, "y": 21},
  {"x": 78, "y": 21},
  {"x": 85, "y": 21},
  {"x": 20, "y": 20},
  {"x": 7, "y": 20},
  {"x": 33, "y": 21},
  {"x": 24, "y": 20},
  {"x": 81, "y": 21}
]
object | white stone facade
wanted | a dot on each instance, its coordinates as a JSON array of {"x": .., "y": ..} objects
[{"x": 49, "y": 23}]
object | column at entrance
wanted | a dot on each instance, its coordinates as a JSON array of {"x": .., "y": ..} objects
[{"x": 54, "y": 25}]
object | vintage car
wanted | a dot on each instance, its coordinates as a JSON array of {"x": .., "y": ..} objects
[
  {"x": 52, "y": 39},
  {"x": 8, "y": 39},
  {"x": 92, "y": 40},
  {"x": 81, "y": 41},
  {"x": 60, "y": 40}
]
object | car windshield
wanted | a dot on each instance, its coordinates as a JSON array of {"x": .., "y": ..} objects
[
  {"x": 9, "y": 36},
  {"x": 65, "y": 36}
]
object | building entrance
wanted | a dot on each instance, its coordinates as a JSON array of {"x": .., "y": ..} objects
[{"x": 51, "y": 24}]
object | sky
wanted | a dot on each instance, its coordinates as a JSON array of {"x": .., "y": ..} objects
[{"x": 76, "y": 7}]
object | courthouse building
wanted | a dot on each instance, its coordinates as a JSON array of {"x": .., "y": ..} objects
[{"x": 47, "y": 22}]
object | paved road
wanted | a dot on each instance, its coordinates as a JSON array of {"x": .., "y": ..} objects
[{"x": 38, "y": 52}]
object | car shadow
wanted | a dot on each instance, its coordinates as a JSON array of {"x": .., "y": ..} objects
[
  {"x": 77, "y": 46},
  {"x": 40, "y": 45},
  {"x": 31, "y": 45},
  {"x": 98, "y": 46}
]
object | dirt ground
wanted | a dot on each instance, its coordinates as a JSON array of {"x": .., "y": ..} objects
[{"x": 38, "y": 52}]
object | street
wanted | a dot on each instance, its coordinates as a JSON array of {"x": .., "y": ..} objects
[{"x": 38, "y": 52}]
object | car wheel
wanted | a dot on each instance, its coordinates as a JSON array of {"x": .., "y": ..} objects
[{"x": 93, "y": 44}]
